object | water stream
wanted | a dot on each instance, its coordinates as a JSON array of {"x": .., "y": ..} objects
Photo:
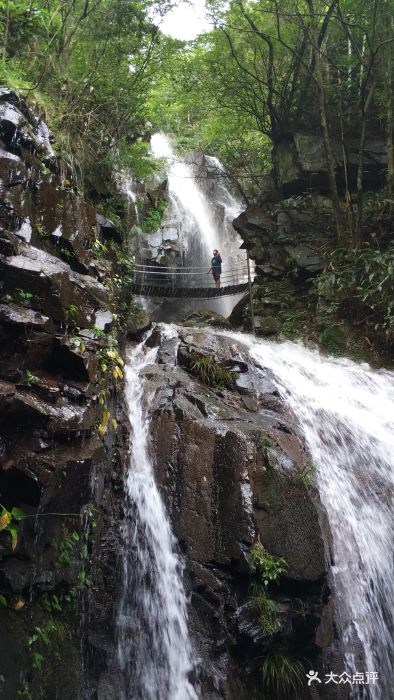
[
  {"x": 346, "y": 413},
  {"x": 154, "y": 652}
]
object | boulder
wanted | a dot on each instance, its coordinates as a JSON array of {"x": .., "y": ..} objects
[
  {"x": 204, "y": 318},
  {"x": 58, "y": 292},
  {"x": 225, "y": 485}
]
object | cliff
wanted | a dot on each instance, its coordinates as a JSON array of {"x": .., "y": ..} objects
[{"x": 59, "y": 450}]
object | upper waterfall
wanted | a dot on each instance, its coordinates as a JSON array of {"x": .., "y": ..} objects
[{"x": 182, "y": 186}]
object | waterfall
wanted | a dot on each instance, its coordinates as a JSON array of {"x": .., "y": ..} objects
[
  {"x": 204, "y": 208},
  {"x": 187, "y": 195},
  {"x": 153, "y": 647},
  {"x": 346, "y": 413}
]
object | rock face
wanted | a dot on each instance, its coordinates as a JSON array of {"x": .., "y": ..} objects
[
  {"x": 54, "y": 464},
  {"x": 290, "y": 227},
  {"x": 230, "y": 464}
]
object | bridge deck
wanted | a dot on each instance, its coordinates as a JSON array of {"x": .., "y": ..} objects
[{"x": 152, "y": 290}]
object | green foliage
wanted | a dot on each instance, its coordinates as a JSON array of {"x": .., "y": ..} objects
[
  {"x": 9, "y": 522},
  {"x": 25, "y": 691},
  {"x": 283, "y": 676},
  {"x": 87, "y": 68},
  {"x": 99, "y": 248},
  {"x": 67, "y": 549},
  {"x": 209, "y": 371},
  {"x": 23, "y": 295},
  {"x": 154, "y": 216},
  {"x": 293, "y": 322},
  {"x": 360, "y": 282},
  {"x": 306, "y": 474},
  {"x": 265, "y": 565},
  {"x": 266, "y": 610},
  {"x": 39, "y": 229},
  {"x": 30, "y": 378}
]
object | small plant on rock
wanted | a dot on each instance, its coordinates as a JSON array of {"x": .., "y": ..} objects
[
  {"x": 22, "y": 296},
  {"x": 29, "y": 378},
  {"x": 268, "y": 567},
  {"x": 206, "y": 368},
  {"x": 306, "y": 474},
  {"x": 9, "y": 522},
  {"x": 283, "y": 676},
  {"x": 265, "y": 609}
]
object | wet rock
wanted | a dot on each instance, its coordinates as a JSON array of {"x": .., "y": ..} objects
[
  {"x": 107, "y": 229},
  {"x": 55, "y": 287},
  {"x": 225, "y": 486},
  {"x": 206, "y": 318},
  {"x": 18, "y": 127},
  {"x": 24, "y": 318},
  {"x": 137, "y": 327},
  {"x": 52, "y": 459},
  {"x": 266, "y": 325},
  {"x": 239, "y": 312}
]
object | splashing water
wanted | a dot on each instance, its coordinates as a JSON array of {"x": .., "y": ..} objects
[
  {"x": 346, "y": 412},
  {"x": 153, "y": 645}
]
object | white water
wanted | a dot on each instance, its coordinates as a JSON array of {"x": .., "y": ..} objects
[
  {"x": 346, "y": 412},
  {"x": 153, "y": 645},
  {"x": 183, "y": 187},
  {"x": 204, "y": 209}
]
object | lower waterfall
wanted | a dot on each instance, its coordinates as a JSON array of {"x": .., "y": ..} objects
[
  {"x": 346, "y": 413},
  {"x": 153, "y": 647}
]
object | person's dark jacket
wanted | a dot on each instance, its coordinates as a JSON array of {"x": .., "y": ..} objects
[{"x": 216, "y": 264}]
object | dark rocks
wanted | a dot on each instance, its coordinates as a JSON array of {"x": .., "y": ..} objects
[
  {"x": 19, "y": 128},
  {"x": 300, "y": 163},
  {"x": 24, "y": 317},
  {"x": 205, "y": 318},
  {"x": 53, "y": 394},
  {"x": 229, "y": 464},
  {"x": 266, "y": 325},
  {"x": 54, "y": 287},
  {"x": 107, "y": 229}
]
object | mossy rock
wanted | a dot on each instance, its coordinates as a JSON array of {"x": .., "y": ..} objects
[{"x": 205, "y": 317}]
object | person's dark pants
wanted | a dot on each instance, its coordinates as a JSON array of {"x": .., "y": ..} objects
[{"x": 216, "y": 277}]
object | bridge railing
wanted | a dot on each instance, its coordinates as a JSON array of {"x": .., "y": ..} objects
[{"x": 187, "y": 277}]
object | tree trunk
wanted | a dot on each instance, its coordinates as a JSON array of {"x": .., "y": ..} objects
[
  {"x": 390, "y": 126},
  {"x": 336, "y": 205},
  {"x": 6, "y": 29},
  {"x": 360, "y": 168}
]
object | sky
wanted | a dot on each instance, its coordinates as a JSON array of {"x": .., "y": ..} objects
[{"x": 186, "y": 21}]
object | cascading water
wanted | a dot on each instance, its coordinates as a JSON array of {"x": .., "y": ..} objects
[
  {"x": 153, "y": 647},
  {"x": 204, "y": 215},
  {"x": 184, "y": 190},
  {"x": 346, "y": 412}
]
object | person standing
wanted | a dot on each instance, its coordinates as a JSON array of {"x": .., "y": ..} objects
[{"x": 216, "y": 268}]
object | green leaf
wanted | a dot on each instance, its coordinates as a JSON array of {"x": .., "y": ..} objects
[
  {"x": 14, "y": 535},
  {"x": 18, "y": 514}
]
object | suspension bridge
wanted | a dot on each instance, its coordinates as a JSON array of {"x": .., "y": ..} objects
[{"x": 188, "y": 282}]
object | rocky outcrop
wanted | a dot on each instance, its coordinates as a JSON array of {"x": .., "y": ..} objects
[
  {"x": 59, "y": 451},
  {"x": 290, "y": 228},
  {"x": 300, "y": 163},
  {"x": 230, "y": 465}
]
